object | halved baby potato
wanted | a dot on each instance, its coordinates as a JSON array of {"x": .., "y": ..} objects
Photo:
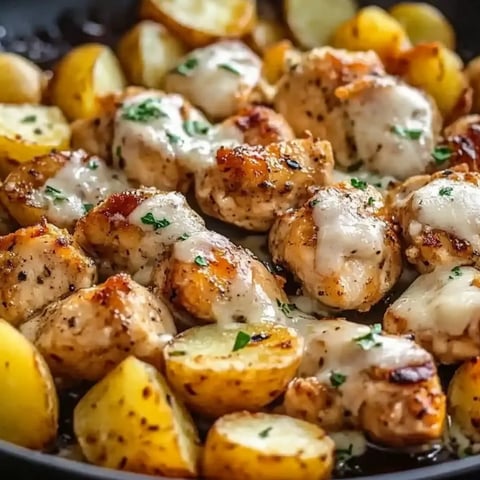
[
  {"x": 261, "y": 446},
  {"x": 222, "y": 369},
  {"x": 200, "y": 22},
  {"x": 313, "y": 22},
  {"x": 147, "y": 52},
  {"x": 83, "y": 77},
  {"x": 131, "y": 421},
  {"x": 28, "y": 400}
]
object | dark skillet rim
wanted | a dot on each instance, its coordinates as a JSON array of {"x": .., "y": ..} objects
[{"x": 434, "y": 472}]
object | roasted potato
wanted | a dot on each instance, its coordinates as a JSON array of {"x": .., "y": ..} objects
[
  {"x": 131, "y": 421},
  {"x": 21, "y": 81},
  {"x": 222, "y": 369},
  {"x": 266, "y": 32},
  {"x": 84, "y": 336},
  {"x": 473, "y": 75},
  {"x": 313, "y": 23},
  {"x": 200, "y": 22},
  {"x": 261, "y": 446},
  {"x": 83, "y": 77},
  {"x": 424, "y": 23},
  {"x": 27, "y": 131},
  {"x": 28, "y": 400},
  {"x": 372, "y": 29},
  {"x": 147, "y": 52}
]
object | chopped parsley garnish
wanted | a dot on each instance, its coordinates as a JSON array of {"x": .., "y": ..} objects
[
  {"x": 411, "y": 133},
  {"x": 93, "y": 165},
  {"x": 56, "y": 194},
  {"x": 343, "y": 457},
  {"x": 178, "y": 353},
  {"x": 370, "y": 340},
  {"x": 357, "y": 183},
  {"x": 87, "y": 207},
  {"x": 143, "y": 112},
  {"x": 172, "y": 138},
  {"x": 371, "y": 201},
  {"x": 455, "y": 273},
  {"x": 149, "y": 219},
  {"x": 228, "y": 68},
  {"x": 241, "y": 341},
  {"x": 201, "y": 261},
  {"x": 194, "y": 127},
  {"x": 441, "y": 154},
  {"x": 337, "y": 379},
  {"x": 286, "y": 308},
  {"x": 29, "y": 119},
  {"x": 186, "y": 67},
  {"x": 265, "y": 433},
  {"x": 314, "y": 202},
  {"x": 445, "y": 191},
  {"x": 343, "y": 454},
  {"x": 183, "y": 236}
]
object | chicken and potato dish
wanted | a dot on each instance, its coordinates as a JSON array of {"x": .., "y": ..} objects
[{"x": 247, "y": 247}]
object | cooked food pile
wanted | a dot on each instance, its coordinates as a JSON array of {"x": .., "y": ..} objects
[{"x": 345, "y": 140}]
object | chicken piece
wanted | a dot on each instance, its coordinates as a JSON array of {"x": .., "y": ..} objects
[
  {"x": 442, "y": 310},
  {"x": 368, "y": 116},
  {"x": 438, "y": 215},
  {"x": 341, "y": 246},
  {"x": 130, "y": 231},
  {"x": 87, "y": 334},
  {"x": 94, "y": 135},
  {"x": 352, "y": 376},
  {"x": 39, "y": 265},
  {"x": 209, "y": 278},
  {"x": 219, "y": 78},
  {"x": 60, "y": 186},
  {"x": 249, "y": 185}
]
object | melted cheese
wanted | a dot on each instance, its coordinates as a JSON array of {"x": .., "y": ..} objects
[
  {"x": 224, "y": 72},
  {"x": 443, "y": 302},
  {"x": 374, "y": 111},
  {"x": 330, "y": 346},
  {"x": 243, "y": 299},
  {"x": 451, "y": 206}
]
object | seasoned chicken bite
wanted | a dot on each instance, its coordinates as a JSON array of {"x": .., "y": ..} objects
[
  {"x": 249, "y": 185},
  {"x": 352, "y": 376},
  {"x": 39, "y": 265},
  {"x": 130, "y": 231},
  {"x": 60, "y": 186},
  {"x": 439, "y": 219},
  {"x": 340, "y": 245},
  {"x": 442, "y": 310},
  {"x": 87, "y": 334},
  {"x": 209, "y": 278},
  {"x": 368, "y": 116},
  {"x": 218, "y": 78}
]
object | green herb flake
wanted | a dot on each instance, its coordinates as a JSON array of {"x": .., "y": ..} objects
[
  {"x": 371, "y": 201},
  {"x": 455, "y": 273},
  {"x": 172, "y": 138},
  {"x": 87, "y": 207},
  {"x": 177, "y": 353},
  {"x": 241, "y": 341},
  {"x": 183, "y": 237},
  {"x": 337, "y": 379},
  {"x": 410, "y": 133},
  {"x": 55, "y": 194},
  {"x": 442, "y": 154},
  {"x": 93, "y": 165},
  {"x": 357, "y": 183},
  {"x": 314, "y": 202},
  {"x": 445, "y": 191},
  {"x": 144, "y": 112},
  {"x": 201, "y": 261},
  {"x": 265, "y": 433},
  {"x": 343, "y": 457},
  {"x": 194, "y": 127},
  {"x": 286, "y": 308},
  {"x": 29, "y": 119},
  {"x": 370, "y": 340},
  {"x": 186, "y": 67},
  {"x": 228, "y": 68},
  {"x": 149, "y": 219}
]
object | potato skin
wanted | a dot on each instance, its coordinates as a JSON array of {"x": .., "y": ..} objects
[
  {"x": 28, "y": 403},
  {"x": 130, "y": 409}
]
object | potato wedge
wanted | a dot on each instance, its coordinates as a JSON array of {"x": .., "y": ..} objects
[
  {"x": 21, "y": 81},
  {"x": 200, "y": 22},
  {"x": 372, "y": 29},
  {"x": 28, "y": 400},
  {"x": 131, "y": 421},
  {"x": 83, "y": 77},
  {"x": 239, "y": 367},
  {"x": 424, "y": 23},
  {"x": 473, "y": 75},
  {"x": 27, "y": 131},
  {"x": 261, "y": 446},
  {"x": 313, "y": 23},
  {"x": 265, "y": 33},
  {"x": 147, "y": 52}
]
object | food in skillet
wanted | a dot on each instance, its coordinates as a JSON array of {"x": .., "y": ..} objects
[{"x": 343, "y": 139}]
